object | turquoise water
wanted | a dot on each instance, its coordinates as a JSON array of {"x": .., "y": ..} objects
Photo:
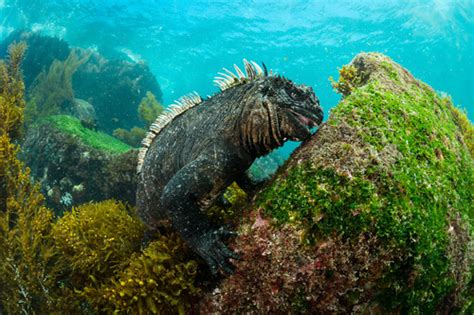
[{"x": 187, "y": 42}]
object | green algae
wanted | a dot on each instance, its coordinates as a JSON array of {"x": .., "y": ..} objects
[
  {"x": 389, "y": 68},
  {"x": 411, "y": 198},
  {"x": 89, "y": 137},
  {"x": 237, "y": 199}
]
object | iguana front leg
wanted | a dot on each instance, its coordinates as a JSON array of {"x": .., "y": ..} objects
[{"x": 180, "y": 198}]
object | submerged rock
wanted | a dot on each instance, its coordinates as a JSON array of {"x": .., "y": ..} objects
[
  {"x": 372, "y": 215},
  {"x": 115, "y": 88},
  {"x": 263, "y": 168},
  {"x": 85, "y": 112},
  {"x": 75, "y": 164}
]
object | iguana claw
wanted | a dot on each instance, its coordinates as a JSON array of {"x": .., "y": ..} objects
[{"x": 216, "y": 254}]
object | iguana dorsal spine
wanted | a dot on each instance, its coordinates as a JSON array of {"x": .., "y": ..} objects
[{"x": 177, "y": 108}]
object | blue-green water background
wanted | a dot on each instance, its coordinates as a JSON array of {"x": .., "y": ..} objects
[{"x": 187, "y": 42}]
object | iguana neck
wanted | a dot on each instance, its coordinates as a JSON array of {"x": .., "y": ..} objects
[{"x": 259, "y": 125}]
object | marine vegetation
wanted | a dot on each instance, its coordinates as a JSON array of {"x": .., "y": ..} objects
[
  {"x": 27, "y": 272},
  {"x": 193, "y": 152},
  {"x": 95, "y": 239},
  {"x": 102, "y": 264},
  {"x": 156, "y": 281},
  {"x": 132, "y": 137},
  {"x": 12, "y": 91},
  {"x": 372, "y": 215},
  {"x": 43, "y": 50},
  {"x": 348, "y": 80},
  {"x": 52, "y": 91},
  {"x": 148, "y": 110},
  {"x": 50, "y": 266},
  {"x": 235, "y": 201}
]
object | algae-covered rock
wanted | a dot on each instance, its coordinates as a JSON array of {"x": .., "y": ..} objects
[
  {"x": 372, "y": 215},
  {"x": 85, "y": 112},
  {"x": 75, "y": 164}
]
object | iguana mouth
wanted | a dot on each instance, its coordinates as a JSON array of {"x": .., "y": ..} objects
[{"x": 307, "y": 117}]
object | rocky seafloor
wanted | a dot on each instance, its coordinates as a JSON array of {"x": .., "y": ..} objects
[{"x": 373, "y": 214}]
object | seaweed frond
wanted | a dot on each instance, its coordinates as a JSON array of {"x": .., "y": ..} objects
[
  {"x": 12, "y": 91},
  {"x": 160, "y": 280},
  {"x": 52, "y": 91},
  {"x": 149, "y": 109},
  {"x": 94, "y": 239}
]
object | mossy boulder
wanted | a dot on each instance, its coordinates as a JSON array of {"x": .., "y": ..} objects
[
  {"x": 75, "y": 164},
  {"x": 372, "y": 215},
  {"x": 85, "y": 112}
]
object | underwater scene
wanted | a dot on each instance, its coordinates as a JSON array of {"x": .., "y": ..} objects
[{"x": 236, "y": 157}]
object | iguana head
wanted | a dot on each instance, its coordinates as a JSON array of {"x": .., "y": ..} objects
[
  {"x": 296, "y": 106},
  {"x": 273, "y": 108},
  {"x": 277, "y": 110}
]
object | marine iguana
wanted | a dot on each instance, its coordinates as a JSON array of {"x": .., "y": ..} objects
[{"x": 195, "y": 150}]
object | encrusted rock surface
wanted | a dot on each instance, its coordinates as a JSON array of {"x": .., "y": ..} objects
[{"x": 85, "y": 112}]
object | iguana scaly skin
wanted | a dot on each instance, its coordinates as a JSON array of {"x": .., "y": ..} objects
[{"x": 193, "y": 153}]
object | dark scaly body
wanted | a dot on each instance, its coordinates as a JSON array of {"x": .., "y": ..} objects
[{"x": 192, "y": 160}]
